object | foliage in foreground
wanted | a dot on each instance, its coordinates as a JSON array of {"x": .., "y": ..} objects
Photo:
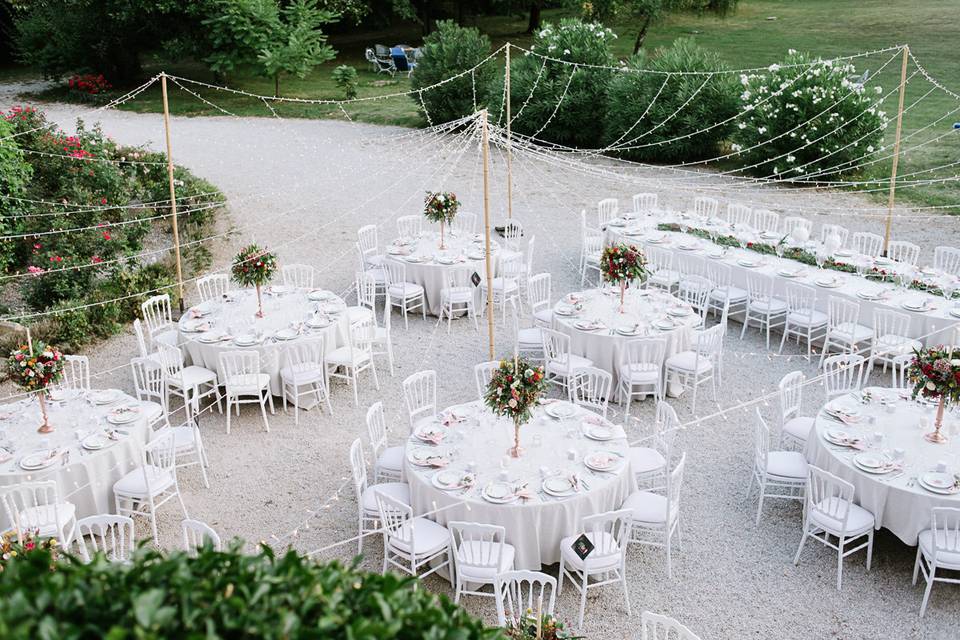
[{"x": 220, "y": 594}]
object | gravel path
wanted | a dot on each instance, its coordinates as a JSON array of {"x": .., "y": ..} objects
[{"x": 304, "y": 187}]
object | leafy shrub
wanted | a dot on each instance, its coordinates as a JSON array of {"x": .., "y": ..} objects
[
  {"x": 449, "y": 50},
  {"x": 345, "y": 77},
  {"x": 14, "y": 175},
  {"x": 220, "y": 595},
  {"x": 70, "y": 326},
  {"x": 89, "y": 87},
  {"x": 808, "y": 122},
  {"x": 681, "y": 105},
  {"x": 568, "y": 103}
]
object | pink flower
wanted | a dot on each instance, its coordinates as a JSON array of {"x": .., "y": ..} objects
[{"x": 35, "y": 270}]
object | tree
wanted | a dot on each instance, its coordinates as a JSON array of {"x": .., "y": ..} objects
[
  {"x": 297, "y": 44},
  {"x": 534, "y": 22}
]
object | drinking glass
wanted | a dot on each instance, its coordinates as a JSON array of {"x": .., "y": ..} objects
[{"x": 820, "y": 255}]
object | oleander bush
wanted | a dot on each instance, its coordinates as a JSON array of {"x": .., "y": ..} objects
[
  {"x": 661, "y": 118},
  {"x": 220, "y": 595},
  {"x": 808, "y": 119},
  {"x": 448, "y": 51},
  {"x": 557, "y": 101},
  {"x": 91, "y": 225}
]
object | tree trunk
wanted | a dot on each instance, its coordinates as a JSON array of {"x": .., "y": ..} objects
[
  {"x": 534, "y": 23},
  {"x": 642, "y": 35},
  {"x": 276, "y": 85}
]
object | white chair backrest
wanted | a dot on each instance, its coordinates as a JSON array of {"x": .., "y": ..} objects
[
  {"x": 110, "y": 535},
  {"x": 644, "y": 203},
  {"x": 668, "y": 427},
  {"x": 765, "y": 220},
  {"x": 792, "y": 222},
  {"x": 689, "y": 265},
  {"x": 761, "y": 442},
  {"x": 213, "y": 287},
  {"x": 706, "y": 207},
  {"x": 538, "y": 291},
  {"x": 305, "y": 354},
  {"x": 842, "y": 313},
  {"x": 409, "y": 227},
  {"x": 828, "y": 495},
  {"x": 159, "y": 453},
  {"x": 945, "y": 526},
  {"x": 76, "y": 373},
  {"x": 366, "y": 284},
  {"x": 141, "y": 338},
  {"x": 654, "y": 626},
  {"x": 695, "y": 290},
  {"x": 790, "y": 395},
  {"x": 556, "y": 347},
  {"x": 464, "y": 223},
  {"x": 739, "y": 214},
  {"x": 644, "y": 353},
  {"x": 719, "y": 274},
  {"x": 21, "y": 502},
  {"x": 709, "y": 342},
  {"x": 528, "y": 267},
  {"x": 522, "y": 593},
  {"x": 903, "y": 251},
  {"x": 240, "y": 368},
  {"x": 512, "y": 232},
  {"x": 147, "y": 379},
  {"x": 890, "y": 326},
  {"x": 658, "y": 259},
  {"x": 511, "y": 266},
  {"x": 396, "y": 272},
  {"x": 299, "y": 276},
  {"x": 420, "y": 395},
  {"x": 368, "y": 241},
  {"x": 590, "y": 387},
  {"x": 842, "y": 374},
  {"x": 947, "y": 259},
  {"x": 362, "y": 334},
  {"x": 759, "y": 287},
  {"x": 198, "y": 534},
  {"x": 606, "y": 211},
  {"x": 479, "y": 546},
  {"x": 828, "y": 230},
  {"x": 482, "y": 374},
  {"x": 358, "y": 469},
  {"x": 157, "y": 314},
  {"x": 674, "y": 483},
  {"x": 393, "y": 515},
  {"x": 171, "y": 360},
  {"x": 801, "y": 300},
  {"x": 869, "y": 244},
  {"x": 377, "y": 428},
  {"x": 610, "y": 530}
]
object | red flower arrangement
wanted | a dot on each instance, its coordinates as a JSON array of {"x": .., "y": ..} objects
[
  {"x": 621, "y": 263},
  {"x": 935, "y": 373},
  {"x": 89, "y": 83},
  {"x": 513, "y": 391},
  {"x": 253, "y": 267}
]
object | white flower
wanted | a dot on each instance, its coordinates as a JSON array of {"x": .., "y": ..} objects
[
  {"x": 762, "y": 130},
  {"x": 774, "y": 67},
  {"x": 878, "y": 89},
  {"x": 870, "y": 149},
  {"x": 745, "y": 95},
  {"x": 931, "y": 386},
  {"x": 742, "y": 125},
  {"x": 791, "y": 52},
  {"x": 736, "y": 147},
  {"x": 791, "y": 158},
  {"x": 744, "y": 80},
  {"x": 566, "y": 52}
]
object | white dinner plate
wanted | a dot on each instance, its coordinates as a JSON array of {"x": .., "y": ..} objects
[
  {"x": 843, "y": 253},
  {"x": 678, "y": 312},
  {"x": 665, "y": 325},
  {"x": 602, "y": 461},
  {"x": 195, "y": 326},
  {"x": 285, "y": 334},
  {"x": 937, "y": 482},
  {"x": 750, "y": 264},
  {"x": 872, "y": 463},
  {"x": 564, "y": 310},
  {"x": 560, "y": 409},
  {"x": 320, "y": 294},
  {"x": 585, "y": 325},
  {"x": 245, "y": 341},
  {"x": 95, "y": 442},
  {"x": 37, "y": 460},
  {"x": 558, "y": 486},
  {"x": 597, "y": 432},
  {"x": 881, "y": 261},
  {"x": 425, "y": 432},
  {"x": 498, "y": 493},
  {"x": 107, "y": 396},
  {"x": 421, "y": 456},
  {"x": 828, "y": 283},
  {"x": 915, "y": 305},
  {"x": 790, "y": 273},
  {"x": 318, "y": 322},
  {"x": 628, "y": 331},
  {"x": 210, "y": 337},
  {"x": 123, "y": 417},
  {"x": 446, "y": 480},
  {"x": 837, "y": 436},
  {"x": 867, "y": 294}
]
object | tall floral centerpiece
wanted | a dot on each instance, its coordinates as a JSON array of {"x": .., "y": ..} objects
[
  {"x": 440, "y": 206},
  {"x": 254, "y": 266},
  {"x": 935, "y": 373},
  {"x": 33, "y": 367},
  {"x": 621, "y": 263},
  {"x": 513, "y": 391}
]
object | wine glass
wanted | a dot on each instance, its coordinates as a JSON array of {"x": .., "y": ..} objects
[
  {"x": 820, "y": 255},
  {"x": 779, "y": 248},
  {"x": 948, "y": 287}
]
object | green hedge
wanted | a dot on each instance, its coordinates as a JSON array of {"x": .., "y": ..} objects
[{"x": 220, "y": 595}]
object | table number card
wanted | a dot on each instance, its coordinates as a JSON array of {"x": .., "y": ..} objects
[
  {"x": 582, "y": 546},
  {"x": 475, "y": 279}
]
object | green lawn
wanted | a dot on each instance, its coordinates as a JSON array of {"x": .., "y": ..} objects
[{"x": 749, "y": 38}]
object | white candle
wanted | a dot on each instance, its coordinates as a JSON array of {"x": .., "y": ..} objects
[{"x": 29, "y": 341}]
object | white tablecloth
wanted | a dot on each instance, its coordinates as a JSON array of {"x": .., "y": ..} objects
[
  {"x": 937, "y": 324},
  {"x": 644, "y": 309},
  {"x": 535, "y": 526},
  {"x": 898, "y": 501},
  {"x": 429, "y": 266},
  {"x": 84, "y": 477},
  {"x": 281, "y": 311}
]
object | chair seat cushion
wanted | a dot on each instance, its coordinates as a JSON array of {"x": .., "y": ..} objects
[
  {"x": 480, "y": 549},
  {"x": 665, "y": 277},
  {"x": 134, "y": 483},
  {"x": 302, "y": 373},
  {"x": 646, "y": 460},
  {"x": 194, "y": 376},
  {"x": 356, "y": 314},
  {"x": 391, "y": 459},
  {"x": 343, "y": 356},
  {"x": 851, "y": 332},
  {"x": 595, "y": 562},
  {"x": 530, "y": 337},
  {"x": 428, "y": 537},
  {"x": 559, "y": 367},
  {"x": 183, "y": 438},
  {"x": 768, "y": 306},
  {"x": 798, "y": 428},
  {"x": 44, "y": 517},
  {"x": 892, "y": 345},
  {"x": 457, "y": 295},
  {"x": 543, "y": 317},
  {"x": 397, "y": 490},
  {"x": 248, "y": 384},
  {"x": 787, "y": 464},
  {"x": 686, "y": 361},
  {"x": 641, "y": 373},
  {"x": 508, "y": 285},
  {"x": 734, "y": 294},
  {"x": 858, "y": 521},
  {"x": 807, "y": 319},
  {"x": 404, "y": 290},
  {"x": 647, "y": 507},
  {"x": 152, "y": 410},
  {"x": 945, "y": 559}
]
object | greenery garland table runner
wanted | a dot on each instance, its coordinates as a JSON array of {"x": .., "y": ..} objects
[
  {"x": 461, "y": 457},
  {"x": 429, "y": 266},
  {"x": 599, "y": 331},
  {"x": 932, "y": 317},
  {"x": 290, "y": 315},
  {"x": 875, "y": 440},
  {"x": 98, "y": 438}
]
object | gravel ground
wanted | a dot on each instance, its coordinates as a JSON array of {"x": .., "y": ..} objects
[{"x": 304, "y": 187}]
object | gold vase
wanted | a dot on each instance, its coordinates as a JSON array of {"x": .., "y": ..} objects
[
  {"x": 936, "y": 436},
  {"x": 516, "y": 450},
  {"x": 45, "y": 426},
  {"x": 442, "y": 247},
  {"x": 259, "y": 303},
  {"x": 623, "y": 292}
]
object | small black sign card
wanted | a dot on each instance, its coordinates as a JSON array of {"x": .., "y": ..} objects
[
  {"x": 475, "y": 279},
  {"x": 582, "y": 546}
]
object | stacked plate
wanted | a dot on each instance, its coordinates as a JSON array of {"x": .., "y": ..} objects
[
  {"x": 123, "y": 415},
  {"x": 561, "y": 410},
  {"x": 559, "y": 486},
  {"x": 564, "y": 310},
  {"x": 790, "y": 273},
  {"x": 665, "y": 324},
  {"x": 431, "y": 433},
  {"x": 597, "y": 432},
  {"x": 318, "y": 322},
  {"x": 447, "y": 480},
  {"x": 285, "y": 334},
  {"x": 916, "y": 305},
  {"x": 195, "y": 326},
  {"x": 603, "y": 460},
  {"x": 843, "y": 414},
  {"x": 589, "y": 325},
  {"x": 320, "y": 295},
  {"x": 38, "y": 460},
  {"x": 840, "y": 437},
  {"x": 874, "y": 463},
  {"x": 425, "y": 456},
  {"x": 107, "y": 396},
  {"x": 499, "y": 493},
  {"x": 210, "y": 337},
  {"x": 96, "y": 441},
  {"x": 678, "y": 312},
  {"x": 943, "y": 483},
  {"x": 828, "y": 282},
  {"x": 869, "y": 294},
  {"x": 246, "y": 340},
  {"x": 629, "y": 330}
]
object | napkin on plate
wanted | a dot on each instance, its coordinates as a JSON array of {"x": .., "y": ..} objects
[{"x": 437, "y": 462}]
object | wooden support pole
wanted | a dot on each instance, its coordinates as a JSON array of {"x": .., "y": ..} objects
[
  {"x": 173, "y": 191},
  {"x": 509, "y": 140},
  {"x": 896, "y": 149},
  {"x": 486, "y": 229}
]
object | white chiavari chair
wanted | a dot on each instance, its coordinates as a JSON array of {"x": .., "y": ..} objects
[
  {"x": 766, "y": 222},
  {"x": 739, "y": 214},
  {"x": 420, "y": 396},
  {"x": 559, "y": 363},
  {"x": 947, "y": 259},
  {"x": 606, "y": 211},
  {"x": 158, "y": 317},
  {"x": 188, "y": 444},
  {"x": 660, "y": 265},
  {"x": 724, "y": 292},
  {"x": 644, "y": 203},
  {"x": 695, "y": 290},
  {"x": 938, "y": 548},
  {"x": 512, "y": 233},
  {"x": 111, "y": 535},
  {"x": 654, "y": 626},
  {"x": 76, "y": 373},
  {"x": 369, "y": 242},
  {"x": 590, "y": 387},
  {"x": 409, "y": 227},
  {"x": 655, "y": 517},
  {"x": 298, "y": 276},
  {"x": 482, "y": 374},
  {"x": 367, "y": 298},
  {"x": 890, "y": 339},
  {"x": 763, "y": 308},
  {"x": 900, "y": 370},
  {"x": 538, "y": 297},
  {"x": 699, "y": 365},
  {"x": 828, "y": 230},
  {"x": 411, "y": 543},
  {"x": 609, "y": 533},
  {"x": 650, "y": 461},
  {"x": 793, "y": 222},
  {"x": 387, "y": 460},
  {"x": 142, "y": 348},
  {"x": 148, "y": 385},
  {"x": 349, "y": 361},
  {"x": 904, "y": 252},
  {"x": 368, "y": 513},
  {"x": 303, "y": 375},
  {"x": 843, "y": 327},
  {"x": 377, "y": 272},
  {"x": 245, "y": 383},
  {"x": 152, "y": 484},
  {"x": 794, "y": 428},
  {"x": 777, "y": 474},
  {"x": 591, "y": 246},
  {"x": 506, "y": 286},
  {"x": 35, "y": 509},
  {"x": 464, "y": 224},
  {"x": 842, "y": 374},
  {"x": 408, "y": 296},
  {"x": 213, "y": 287},
  {"x": 705, "y": 207},
  {"x": 830, "y": 511},
  {"x": 803, "y": 320},
  {"x": 479, "y": 555},
  {"x": 190, "y": 383},
  {"x": 197, "y": 535},
  {"x": 868, "y": 244},
  {"x": 640, "y": 370},
  {"x": 521, "y": 594},
  {"x": 457, "y": 296}
]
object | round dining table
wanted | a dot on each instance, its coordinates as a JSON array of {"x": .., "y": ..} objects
[
  {"x": 430, "y": 266},
  {"x": 289, "y": 316},
  {"x": 97, "y": 438},
  {"x": 598, "y": 330},
  {"x": 874, "y": 439},
  {"x": 574, "y": 464}
]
